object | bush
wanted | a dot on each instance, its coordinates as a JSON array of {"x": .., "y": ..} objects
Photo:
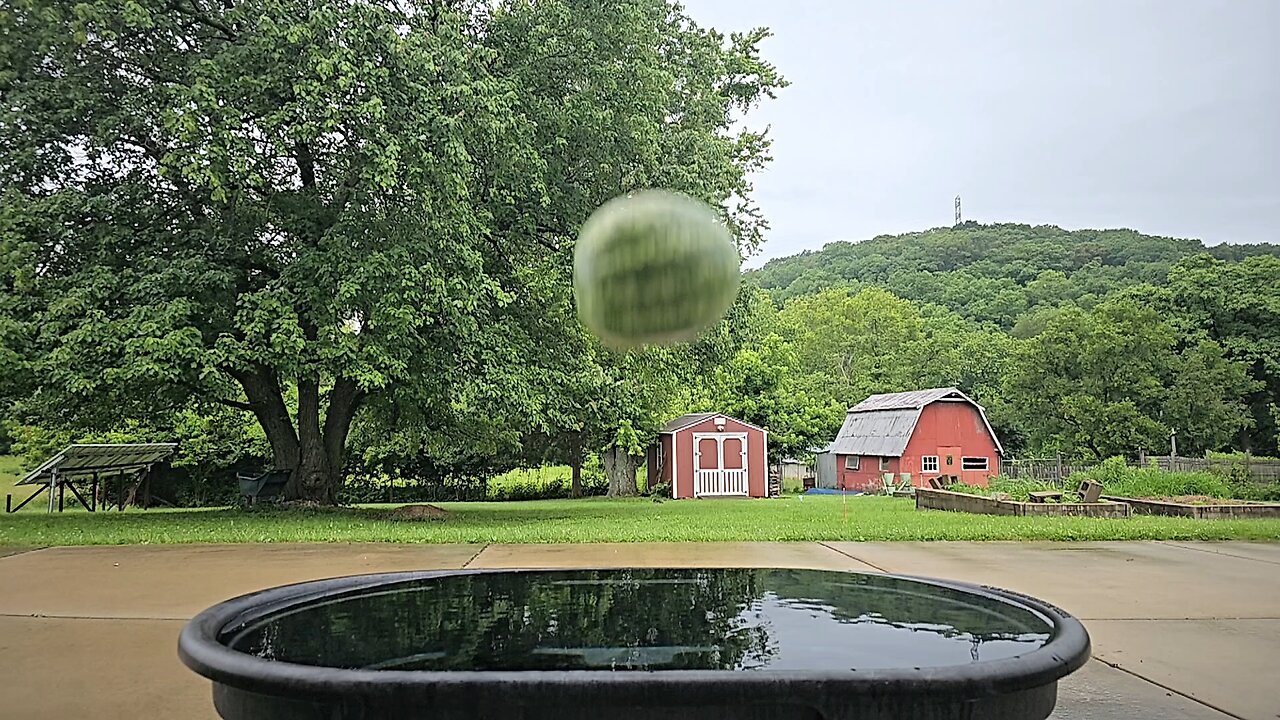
[
  {"x": 1257, "y": 492},
  {"x": 662, "y": 490},
  {"x": 1117, "y": 478},
  {"x": 1016, "y": 489},
  {"x": 373, "y": 489}
]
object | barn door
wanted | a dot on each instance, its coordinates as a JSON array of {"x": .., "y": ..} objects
[{"x": 949, "y": 463}]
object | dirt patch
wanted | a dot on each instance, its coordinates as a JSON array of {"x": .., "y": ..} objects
[{"x": 418, "y": 512}]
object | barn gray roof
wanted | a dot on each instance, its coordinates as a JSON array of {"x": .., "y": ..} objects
[{"x": 882, "y": 424}]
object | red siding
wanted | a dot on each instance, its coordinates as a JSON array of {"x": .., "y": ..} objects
[
  {"x": 945, "y": 428},
  {"x": 868, "y": 477},
  {"x": 683, "y": 465},
  {"x": 658, "y": 462},
  {"x": 951, "y": 425}
]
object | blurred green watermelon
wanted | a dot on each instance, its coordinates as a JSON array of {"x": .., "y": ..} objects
[{"x": 653, "y": 268}]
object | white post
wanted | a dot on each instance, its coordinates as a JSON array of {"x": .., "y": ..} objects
[{"x": 53, "y": 488}]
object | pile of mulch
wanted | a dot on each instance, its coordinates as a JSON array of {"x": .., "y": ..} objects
[{"x": 417, "y": 512}]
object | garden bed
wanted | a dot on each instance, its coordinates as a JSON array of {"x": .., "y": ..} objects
[
  {"x": 1201, "y": 507},
  {"x": 927, "y": 499}
]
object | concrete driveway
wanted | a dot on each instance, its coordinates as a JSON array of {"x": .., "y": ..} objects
[{"x": 1180, "y": 630}]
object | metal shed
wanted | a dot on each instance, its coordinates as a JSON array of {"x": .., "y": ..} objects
[{"x": 91, "y": 461}]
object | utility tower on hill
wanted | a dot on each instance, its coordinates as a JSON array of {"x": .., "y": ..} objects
[{"x": 957, "y": 209}]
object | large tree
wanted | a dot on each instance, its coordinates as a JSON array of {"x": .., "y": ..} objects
[
  {"x": 300, "y": 209},
  {"x": 1237, "y": 305},
  {"x": 1118, "y": 379}
]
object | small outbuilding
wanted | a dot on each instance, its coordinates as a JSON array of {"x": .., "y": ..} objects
[
  {"x": 911, "y": 438},
  {"x": 710, "y": 455}
]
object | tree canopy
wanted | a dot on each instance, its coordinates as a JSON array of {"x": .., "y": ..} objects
[{"x": 302, "y": 209}]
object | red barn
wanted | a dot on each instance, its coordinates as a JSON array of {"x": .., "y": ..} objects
[
  {"x": 915, "y": 435},
  {"x": 710, "y": 455}
]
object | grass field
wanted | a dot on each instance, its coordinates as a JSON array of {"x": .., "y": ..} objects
[
  {"x": 9, "y": 475},
  {"x": 601, "y": 520}
]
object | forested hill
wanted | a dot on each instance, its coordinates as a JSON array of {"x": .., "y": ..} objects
[{"x": 993, "y": 273}]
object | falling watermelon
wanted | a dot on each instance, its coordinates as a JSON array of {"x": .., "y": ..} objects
[{"x": 653, "y": 268}]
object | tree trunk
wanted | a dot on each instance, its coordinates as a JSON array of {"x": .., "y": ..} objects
[
  {"x": 621, "y": 471},
  {"x": 314, "y": 452},
  {"x": 313, "y": 478},
  {"x": 575, "y": 466},
  {"x": 262, "y": 388}
]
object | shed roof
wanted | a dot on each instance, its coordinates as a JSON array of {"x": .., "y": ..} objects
[
  {"x": 882, "y": 424},
  {"x": 685, "y": 421},
  {"x": 80, "y": 460}
]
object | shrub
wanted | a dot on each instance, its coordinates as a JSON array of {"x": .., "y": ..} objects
[
  {"x": 1016, "y": 489},
  {"x": 662, "y": 489},
  {"x": 1119, "y": 479}
]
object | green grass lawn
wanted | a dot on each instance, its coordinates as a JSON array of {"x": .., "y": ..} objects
[
  {"x": 602, "y": 520},
  {"x": 10, "y": 473}
]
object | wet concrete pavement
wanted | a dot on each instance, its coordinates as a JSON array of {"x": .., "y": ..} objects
[{"x": 1181, "y": 631}]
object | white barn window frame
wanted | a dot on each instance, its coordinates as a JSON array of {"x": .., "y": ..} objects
[
  {"x": 929, "y": 463},
  {"x": 970, "y": 462},
  {"x": 852, "y": 462}
]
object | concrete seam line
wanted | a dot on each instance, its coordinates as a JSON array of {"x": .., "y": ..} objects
[
  {"x": 1215, "y": 552},
  {"x": 852, "y": 557},
  {"x": 24, "y": 552},
  {"x": 1174, "y": 690},
  {"x": 472, "y": 559}
]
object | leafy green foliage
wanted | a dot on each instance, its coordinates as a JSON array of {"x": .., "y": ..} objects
[
  {"x": 1016, "y": 489},
  {"x": 993, "y": 273},
  {"x": 1121, "y": 480},
  {"x": 305, "y": 210},
  {"x": 1114, "y": 380}
]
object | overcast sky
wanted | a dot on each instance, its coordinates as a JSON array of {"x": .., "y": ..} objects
[{"x": 1157, "y": 115}]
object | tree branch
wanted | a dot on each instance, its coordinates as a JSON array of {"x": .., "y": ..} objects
[
  {"x": 234, "y": 404},
  {"x": 200, "y": 16}
]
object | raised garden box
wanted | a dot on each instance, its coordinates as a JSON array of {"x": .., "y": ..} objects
[
  {"x": 927, "y": 499},
  {"x": 1222, "y": 510}
]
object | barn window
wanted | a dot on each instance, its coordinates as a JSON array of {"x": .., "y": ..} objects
[
  {"x": 851, "y": 462},
  {"x": 929, "y": 463},
  {"x": 884, "y": 464},
  {"x": 973, "y": 463}
]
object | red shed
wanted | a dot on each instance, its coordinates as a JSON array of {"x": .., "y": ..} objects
[
  {"x": 915, "y": 436},
  {"x": 710, "y": 455}
]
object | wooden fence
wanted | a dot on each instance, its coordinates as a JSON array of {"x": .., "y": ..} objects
[
  {"x": 1266, "y": 471},
  {"x": 1055, "y": 470}
]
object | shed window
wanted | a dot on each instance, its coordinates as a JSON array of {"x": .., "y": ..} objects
[
  {"x": 973, "y": 463},
  {"x": 851, "y": 462},
  {"x": 929, "y": 463},
  {"x": 884, "y": 464}
]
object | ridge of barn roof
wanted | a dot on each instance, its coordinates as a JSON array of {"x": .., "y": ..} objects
[
  {"x": 883, "y": 424},
  {"x": 910, "y": 400}
]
